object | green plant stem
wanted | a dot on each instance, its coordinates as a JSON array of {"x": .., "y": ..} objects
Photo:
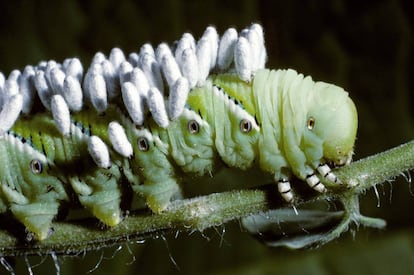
[
  {"x": 204, "y": 212},
  {"x": 378, "y": 168}
]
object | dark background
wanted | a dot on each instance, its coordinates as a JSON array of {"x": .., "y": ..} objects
[{"x": 364, "y": 46}]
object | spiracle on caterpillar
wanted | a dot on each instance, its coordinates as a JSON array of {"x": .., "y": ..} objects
[{"x": 159, "y": 112}]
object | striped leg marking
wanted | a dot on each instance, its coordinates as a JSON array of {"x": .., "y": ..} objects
[
  {"x": 313, "y": 181},
  {"x": 325, "y": 171},
  {"x": 283, "y": 185}
]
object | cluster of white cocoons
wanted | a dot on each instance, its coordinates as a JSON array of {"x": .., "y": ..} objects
[{"x": 152, "y": 80}]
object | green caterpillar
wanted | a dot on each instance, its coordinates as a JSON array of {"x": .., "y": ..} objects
[{"x": 280, "y": 122}]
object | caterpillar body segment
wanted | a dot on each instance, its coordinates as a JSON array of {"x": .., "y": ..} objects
[
  {"x": 98, "y": 189},
  {"x": 28, "y": 189},
  {"x": 192, "y": 144},
  {"x": 166, "y": 155},
  {"x": 30, "y": 186},
  {"x": 80, "y": 171},
  {"x": 45, "y": 166}
]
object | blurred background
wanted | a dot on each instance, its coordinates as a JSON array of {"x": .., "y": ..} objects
[{"x": 364, "y": 46}]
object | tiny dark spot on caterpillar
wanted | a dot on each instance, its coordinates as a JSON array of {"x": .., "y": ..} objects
[
  {"x": 36, "y": 166},
  {"x": 255, "y": 119},
  {"x": 245, "y": 126},
  {"x": 143, "y": 144},
  {"x": 108, "y": 174},
  {"x": 83, "y": 129},
  {"x": 311, "y": 123},
  {"x": 310, "y": 175},
  {"x": 219, "y": 88},
  {"x": 139, "y": 127},
  {"x": 44, "y": 149},
  {"x": 193, "y": 127}
]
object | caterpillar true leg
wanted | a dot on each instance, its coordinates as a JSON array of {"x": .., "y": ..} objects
[
  {"x": 284, "y": 188},
  {"x": 313, "y": 181},
  {"x": 326, "y": 172}
]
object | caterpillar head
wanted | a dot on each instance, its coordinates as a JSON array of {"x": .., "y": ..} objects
[{"x": 332, "y": 117}]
